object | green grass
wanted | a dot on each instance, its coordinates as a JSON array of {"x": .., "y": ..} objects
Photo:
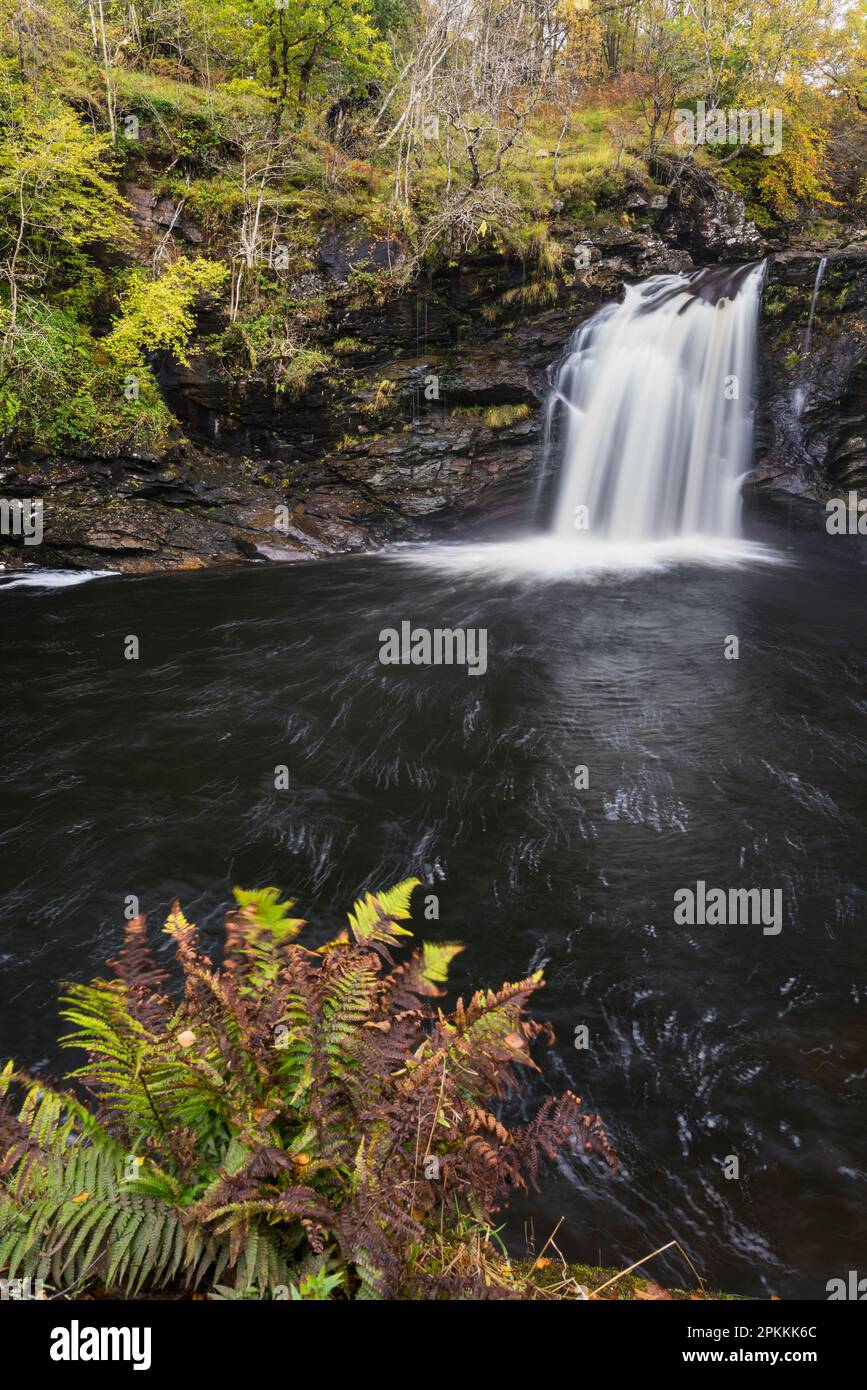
[{"x": 164, "y": 95}]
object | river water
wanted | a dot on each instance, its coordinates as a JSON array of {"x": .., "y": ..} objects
[{"x": 155, "y": 777}]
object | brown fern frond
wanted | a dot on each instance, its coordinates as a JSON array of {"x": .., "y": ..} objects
[
  {"x": 19, "y": 1146},
  {"x": 145, "y": 980}
]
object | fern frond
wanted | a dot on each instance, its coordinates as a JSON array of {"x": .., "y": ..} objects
[
  {"x": 289, "y": 1106},
  {"x": 437, "y": 956},
  {"x": 376, "y": 916}
]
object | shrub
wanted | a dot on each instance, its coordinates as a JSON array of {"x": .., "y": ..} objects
[
  {"x": 310, "y": 1120},
  {"x": 158, "y": 313},
  {"x": 61, "y": 389}
]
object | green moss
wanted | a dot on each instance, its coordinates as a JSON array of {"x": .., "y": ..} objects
[
  {"x": 345, "y": 347},
  {"x": 496, "y": 417}
]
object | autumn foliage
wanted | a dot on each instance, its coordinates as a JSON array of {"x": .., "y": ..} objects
[{"x": 294, "y": 1122}]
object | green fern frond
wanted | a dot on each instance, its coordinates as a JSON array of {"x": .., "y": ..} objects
[
  {"x": 257, "y": 936},
  {"x": 265, "y": 909},
  {"x": 437, "y": 956},
  {"x": 348, "y": 1004},
  {"x": 376, "y": 916}
]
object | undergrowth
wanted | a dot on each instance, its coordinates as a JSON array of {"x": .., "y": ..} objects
[{"x": 292, "y": 1123}]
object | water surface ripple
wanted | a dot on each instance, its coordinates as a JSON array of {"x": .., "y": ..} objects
[{"x": 156, "y": 778}]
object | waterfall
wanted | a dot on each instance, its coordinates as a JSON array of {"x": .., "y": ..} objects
[
  {"x": 649, "y": 420},
  {"x": 801, "y": 391},
  {"x": 820, "y": 275},
  {"x": 648, "y": 437}
]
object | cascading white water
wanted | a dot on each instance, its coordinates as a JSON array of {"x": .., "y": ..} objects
[
  {"x": 648, "y": 428},
  {"x": 650, "y": 415},
  {"x": 817, "y": 285},
  {"x": 800, "y": 391}
]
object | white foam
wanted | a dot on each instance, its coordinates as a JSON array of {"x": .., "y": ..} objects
[
  {"x": 52, "y": 579},
  {"x": 545, "y": 557}
]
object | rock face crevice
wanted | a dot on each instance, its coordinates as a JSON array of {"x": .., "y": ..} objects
[
  {"x": 433, "y": 418},
  {"x": 811, "y": 436}
]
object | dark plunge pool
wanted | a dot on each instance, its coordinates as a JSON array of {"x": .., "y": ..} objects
[{"x": 156, "y": 778}]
